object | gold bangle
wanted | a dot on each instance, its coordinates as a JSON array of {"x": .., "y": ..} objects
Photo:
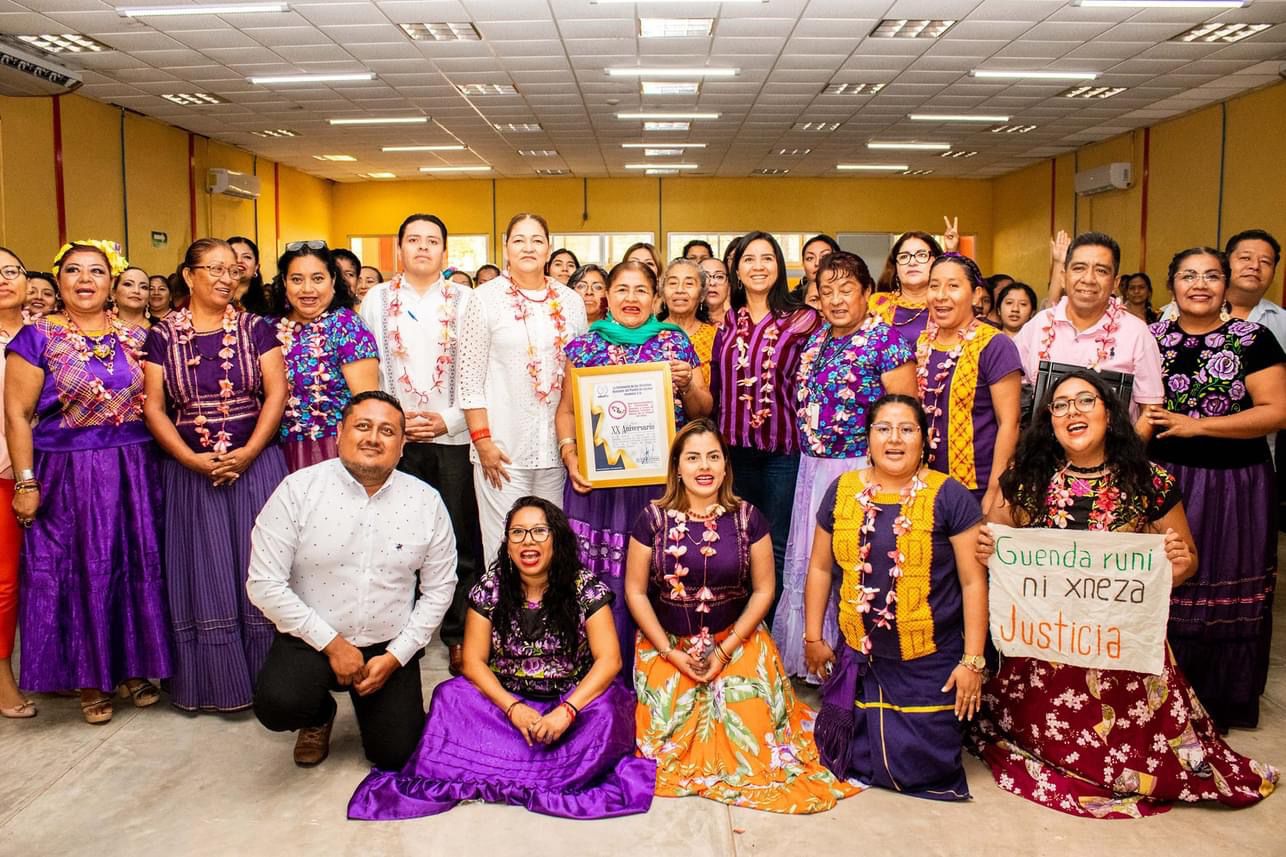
[{"x": 567, "y": 441}]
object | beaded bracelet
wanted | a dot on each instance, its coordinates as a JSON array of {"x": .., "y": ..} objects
[
  {"x": 511, "y": 707},
  {"x": 571, "y": 709}
]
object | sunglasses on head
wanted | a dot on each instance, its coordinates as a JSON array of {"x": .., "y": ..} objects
[{"x": 296, "y": 246}]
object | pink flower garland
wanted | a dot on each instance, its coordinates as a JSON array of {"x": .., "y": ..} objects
[
  {"x": 520, "y": 305},
  {"x": 184, "y": 332},
  {"x": 923, "y": 349},
  {"x": 885, "y": 615},
  {"x": 808, "y": 384},
  {"x": 1105, "y": 340},
  {"x": 677, "y": 533},
  {"x": 98, "y": 392},
  {"x": 763, "y": 395},
  {"x": 446, "y": 339},
  {"x": 315, "y": 348}
]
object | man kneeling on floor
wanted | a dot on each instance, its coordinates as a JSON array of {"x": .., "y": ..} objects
[{"x": 336, "y": 553}]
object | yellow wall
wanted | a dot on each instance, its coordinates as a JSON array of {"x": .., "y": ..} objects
[
  {"x": 1255, "y": 171},
  {"x": 156, "y": 175},
  {"x": 28, "y": 218}
]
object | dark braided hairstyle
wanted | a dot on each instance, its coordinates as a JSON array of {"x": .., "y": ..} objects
[{"x": 560, "y": 605}]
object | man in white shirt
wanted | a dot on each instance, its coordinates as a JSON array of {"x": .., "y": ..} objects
[
  {"x": 1253, "y": 256},
  {"x": 336, "y": 554},
  {"x": 415, "y": 318}
]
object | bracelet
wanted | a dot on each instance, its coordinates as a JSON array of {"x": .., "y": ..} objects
[
  {"x": 666, "y": 654},
  {"x": 722, "y": 655},
  {"x": 567, "y": 441},
  {"x": 807, "y": 641},
  {"x": 480, "y": 434},
  {"x": 571, "y": 709},
  {"x": 732, "y": 630},
  {"x": 26, "y": 474},
  {"x": 26, "y": 486},
  {"x": 975, "y": 663},
  {"x": 511, "y": 707}
]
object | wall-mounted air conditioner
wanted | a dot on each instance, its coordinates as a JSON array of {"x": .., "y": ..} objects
[
  {"x": 29, "y": 74},
  {"x": 1117, "y": 176},
  {"x": 232, "y": 183}
]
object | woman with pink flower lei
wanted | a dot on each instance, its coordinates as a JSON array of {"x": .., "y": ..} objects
[
  {"x": 912, "y": 611},
  {"x": 852, "y": 360},
  {"x": 716, "y": 710},
  {"x": 216, "y": 388},
  {"x": 93, "y": 598}
]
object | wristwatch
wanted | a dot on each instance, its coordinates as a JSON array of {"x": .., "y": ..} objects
[{"x": 977, "y": 663}]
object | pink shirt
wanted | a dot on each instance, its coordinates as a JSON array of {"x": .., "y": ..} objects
[{"x": 1133, "y": 350}]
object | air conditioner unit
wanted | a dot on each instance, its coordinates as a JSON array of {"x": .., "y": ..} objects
[
  {"x": 29, "y": 74},
  {"x": 1117, "y": 176},
  {"x": 232, "y": 183}
]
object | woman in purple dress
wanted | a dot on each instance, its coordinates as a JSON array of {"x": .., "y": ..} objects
[
  {"x": 1224, "y": 392},
  {"x": 216, "y": 387},
  {"x": 329, "y": 352},
  {"x": 93, "y": 601},
  {"x": 601, "y": 517},
  {"x": 540, "y": 718}
]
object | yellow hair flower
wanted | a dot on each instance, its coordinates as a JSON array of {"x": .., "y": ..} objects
[{"x": 111, "y": 249}]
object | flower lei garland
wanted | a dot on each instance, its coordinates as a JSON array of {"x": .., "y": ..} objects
[
  {"x": 314, "y": 348},
  {"x": 1106, "y": 340},
  {"x": 677, "y": 533},
  {"x": 1066, "y": 486},
  {"x": 446, "y": 339},
  {"x": 184, "y": 332},
  {"x": 847, "y": 356},
  {"x": 764, "y": 379},
  {"x": 885, "y": 615},
  {"x": 923, "y": 348},
  {"x": 106, "y": 355},
  {"x": 520, "y": 306}
]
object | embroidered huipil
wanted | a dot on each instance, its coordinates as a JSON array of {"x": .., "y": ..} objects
[
  {"x": 494, "y": 363},
  {"x": 316, "y": 353},
  {"x": 909, "y": 320},
  {"x": 752, "y": 378},
  {"x": 421, "y": 326}
]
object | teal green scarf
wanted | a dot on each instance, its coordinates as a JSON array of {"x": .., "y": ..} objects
[{"x": 618, "y": 334}]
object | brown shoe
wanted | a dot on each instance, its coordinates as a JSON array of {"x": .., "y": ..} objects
[
  {"x": 456, "y": 653},
  {"x": 313, "y": 744}
]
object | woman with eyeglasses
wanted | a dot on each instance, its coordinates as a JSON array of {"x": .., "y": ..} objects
[
  {"x": 129, "y": 297},
  {"x": 561, "y": 265},
  {"x": 683, "y": 293},
  {"x": 216, "y": 389},
  {"x": 252, "y": 293},
  {"x": 969, "y": 377},
  {"x": 590, "y": 282},
  {"x": 1225, "y": 387},
  {"x": 849, "y": 363},
  {"x": 540, "y": 717},
  {"x": 93, "y": 597},
  {"x": 901, "y": 298},
  {"x": 715, "y": 708},
  {"x": 1101, "y": 743},
  {"x": 13, "y": 294},
  {"x": 330, "y": 354},
  {"x": 908, "y": 670},
  {"x": 717, "y": 291}
]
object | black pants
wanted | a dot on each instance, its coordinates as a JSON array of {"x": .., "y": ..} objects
[
  {"x": 448, "y": 469},
  {"x": 294, "y": 692}
]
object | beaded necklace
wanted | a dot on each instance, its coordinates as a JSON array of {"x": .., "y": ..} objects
[
  {"x": 1106, "y": 340},
  {"x": 446, "y": 339},
  {"x": 923, "y": 349},
  {"x": 520, "y": 305},
  {"x": 869, "y": 509},
  {"x": 677, "y": 534},
  {"x": 97, "y": 392},
  {"x": 184, "y": 333}
]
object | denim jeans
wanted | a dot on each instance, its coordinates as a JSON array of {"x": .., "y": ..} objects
[{"x": 766, "y": 480}]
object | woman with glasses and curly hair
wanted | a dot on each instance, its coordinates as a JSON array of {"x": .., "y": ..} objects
[{"x": 540, "y": 717}]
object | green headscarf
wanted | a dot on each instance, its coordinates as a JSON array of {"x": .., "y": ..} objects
[{"x": 618, "y": 334}]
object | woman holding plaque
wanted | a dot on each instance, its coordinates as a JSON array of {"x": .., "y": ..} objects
[
  {"x": 716, "y": 710},
  {"x": 1224, "y": 384},
  {"x": 1092, "y": 742},
  {"x": 601, "y": 517},
  {"x": 912, "y": 613}
]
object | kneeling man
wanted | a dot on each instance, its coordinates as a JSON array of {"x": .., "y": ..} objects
[{"x": 337, "y": 551}]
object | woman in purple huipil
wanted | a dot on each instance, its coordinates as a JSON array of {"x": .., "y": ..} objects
[
  {"x": 93, "y": 601},
  {"x": 216, "y": 388},
  {"x": 540, "y": 718}
]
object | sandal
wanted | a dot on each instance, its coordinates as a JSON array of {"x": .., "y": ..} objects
[
  {"x": 143, "y": 692},
  {"x": 97, "y": 710},
  {"x": 23, "y": 710}
]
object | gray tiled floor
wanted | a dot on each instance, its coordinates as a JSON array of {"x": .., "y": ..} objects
[{"x": 210, "y": 785}]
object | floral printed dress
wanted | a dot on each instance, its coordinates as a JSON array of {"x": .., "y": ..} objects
[{"x": 1108, "y": 743}]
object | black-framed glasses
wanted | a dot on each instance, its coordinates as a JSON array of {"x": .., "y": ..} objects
[
  {"x": 1084, "y": 403},
  {"x": 539, "y": 533},
  {"x": 12, "y": 272},
  {"x": 296, "y": 246},
  {"x": 919, "y": 255}
]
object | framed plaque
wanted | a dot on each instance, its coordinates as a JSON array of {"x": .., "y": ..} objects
[{"x": 624, "y": 423}]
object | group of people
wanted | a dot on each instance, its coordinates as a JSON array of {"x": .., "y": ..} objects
[{"x": 261, "y": 493}]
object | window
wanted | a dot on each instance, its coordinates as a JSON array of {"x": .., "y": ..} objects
[
  {"x": 466, "y": 252},
  {"x": 599, "y": 248}
]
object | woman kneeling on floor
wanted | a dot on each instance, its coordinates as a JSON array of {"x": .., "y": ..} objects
[{"x": 539, "y": 718}]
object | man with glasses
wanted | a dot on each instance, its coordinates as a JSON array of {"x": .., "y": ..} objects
[
  {"x": 354, "y": 562},
  {"x": 1090, "y": 328}
]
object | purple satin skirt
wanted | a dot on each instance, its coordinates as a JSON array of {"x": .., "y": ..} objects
[
  {"x": 93, "y": 598},
  {"x": 470, "y": 751}
]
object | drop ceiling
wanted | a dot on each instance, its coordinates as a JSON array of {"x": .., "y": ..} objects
[{"x": 532, "y": 95}]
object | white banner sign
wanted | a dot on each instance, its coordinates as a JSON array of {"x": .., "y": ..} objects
[{"x": 1089, "y": 599}]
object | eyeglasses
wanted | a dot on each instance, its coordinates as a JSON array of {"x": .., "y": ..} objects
[
  {"x": 218, "y": 271},
  {"x": 1210, "y": 278},
  {"x": 296, "y": 246},
  {"x": 1084, "y": 404},
  {"x": 905, "y": 431},
  {"x": 11, "y": 272},
  {"x": 590, "y": 286},
  {"x": 539, "y": 534},
  {"x": 717, "y": 277},
  {"x": 919, "y": 255}
]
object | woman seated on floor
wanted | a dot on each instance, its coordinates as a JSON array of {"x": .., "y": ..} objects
[
  {"x": 1092, "y": 742},
  {"x": 539, "y": 717}
]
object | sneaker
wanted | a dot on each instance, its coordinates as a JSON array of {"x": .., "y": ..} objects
[{"x": 313, "y": 744}]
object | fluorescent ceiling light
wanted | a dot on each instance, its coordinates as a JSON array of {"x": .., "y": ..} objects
[
  {"x": 956, "y": 117},
  {"x": 902, "y": 28},
  {"x": 873, "y": 168},
  {"x": 852, "y": 88},
  {"x": 794, "y": 153},
  {"x": 661, "y": 166},
  {"x": 688, "y": 71},
  {"x": 1215, "y": 31},
  {"x": 381, "y": 175},
  {"x": 446, "y": 31},
  {"x": 347, "y": 77},
  {"x": 487, "y": 89},
  {"x": 909, "y": 146},
  {"x": 669, "y": 152},
  {"x": 194, "y": 99},
  {"x": 671, "y": 145},
  {"x": 673, "y": 28},
  {"x": 667, "y": 115},
  {"x": 480, "y": 168},
  {"x": 517, "y": 127},
  {"x": 1092, "y": 91},
  {"x": 556, "y": 172},
  {"x": 211, "y": 9},
  {"x": 666, "y": 126},
  {"x": 65, "y": 43},
  {"x": 344, "y": 158},
  {"x": 381, "y": 120},
  {"x": 772, "y": 171},
  {"x": 917, "y": 172},
  {"x": 632, "y": 2},
  {"x": 1013, "y": 129},
  {"x": 1161, "y": 4},
  {"x": 958, "y": 153},
  {"x": 449, "y": 147},
  {"x": 538, "y": 153},
  {"x": 815, "y": 126},
  {"x": 1002, "y": 74},
  {"x": 659, "y": 87},
  {"x": 275, "y": 132}
]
